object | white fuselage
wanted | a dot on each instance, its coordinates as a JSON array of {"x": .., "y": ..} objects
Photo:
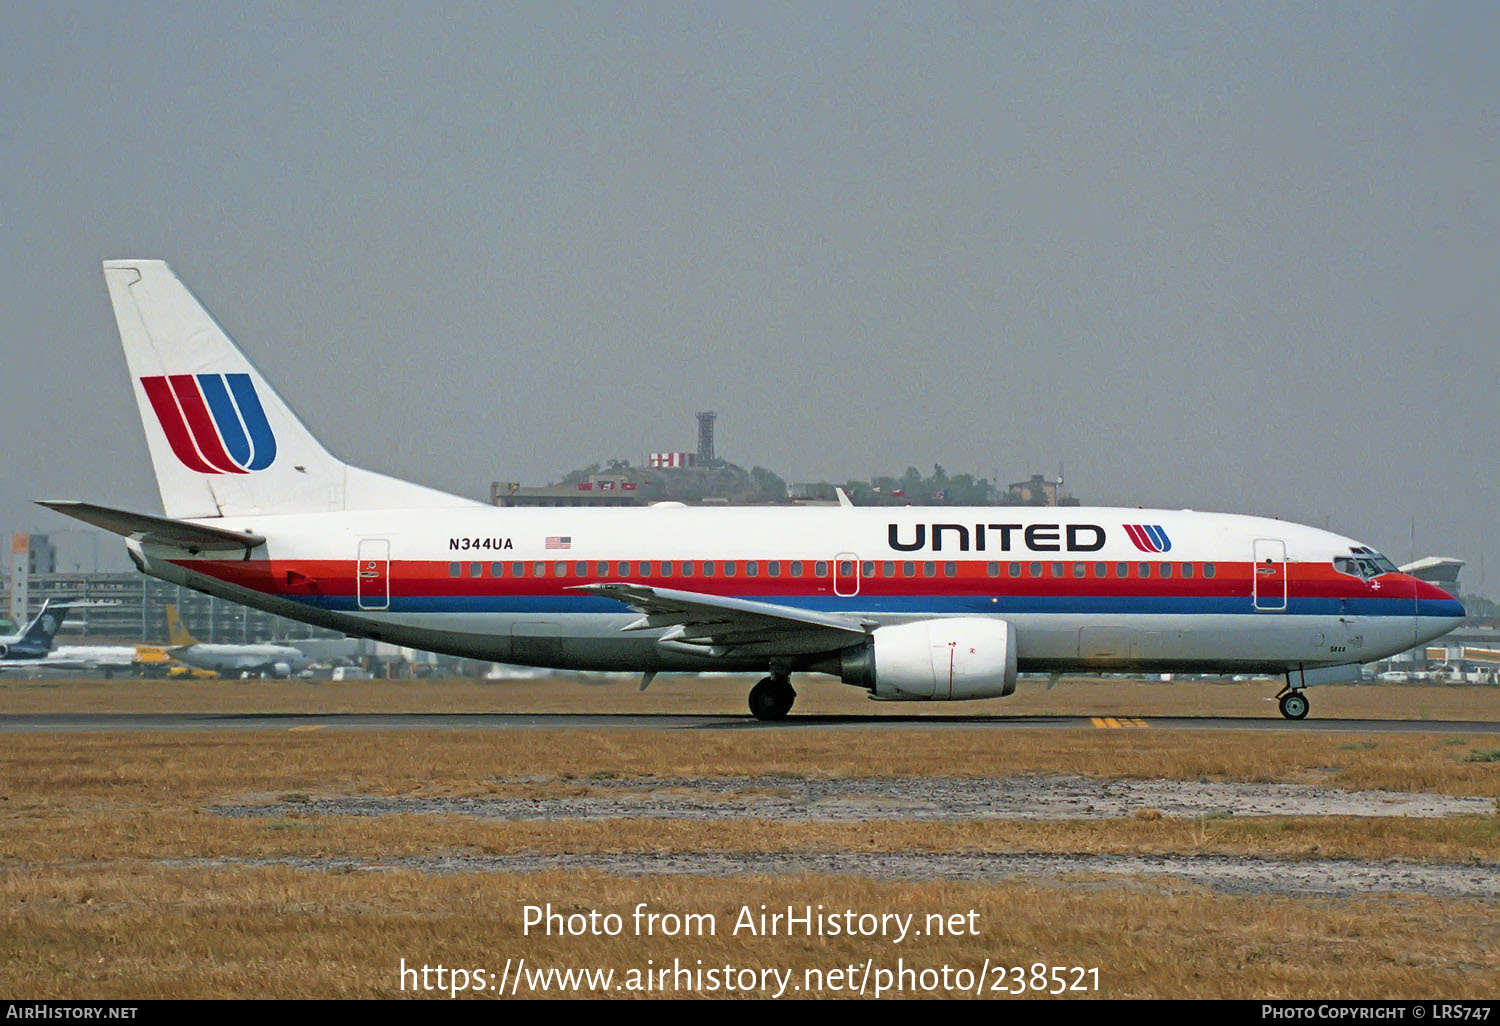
[
  {"x": 1088, "y": 589},
  {"x": 240, "y": 658}
]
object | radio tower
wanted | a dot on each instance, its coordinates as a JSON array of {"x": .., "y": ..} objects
[{"x": 706, "y": 436}]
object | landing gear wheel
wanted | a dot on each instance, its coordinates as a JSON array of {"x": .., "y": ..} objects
[
  {"x": 1294, "y": 705},
  {"x": 772, "y": 698}
]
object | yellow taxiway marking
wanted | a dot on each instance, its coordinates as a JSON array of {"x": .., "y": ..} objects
[
  {"x": 1111, "y": 723},
  {"x": 305, "y": 727}
]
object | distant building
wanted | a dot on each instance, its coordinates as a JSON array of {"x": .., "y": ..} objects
[
  {"x": 31, "y": 555},
  {"x": 671, "y": 460},
  {"x": 131, "y": 607},
  {"x": 1038, "y": 491},
  {"x": 1439, "y": 570},
  {"x": 706, "y": 436},
  {"x": 598, "y": 490}
]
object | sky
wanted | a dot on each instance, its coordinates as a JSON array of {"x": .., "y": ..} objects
[{"x": 1239, "y": 257}]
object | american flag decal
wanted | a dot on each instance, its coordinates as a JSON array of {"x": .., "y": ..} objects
[{"x": 564, "y": 541}]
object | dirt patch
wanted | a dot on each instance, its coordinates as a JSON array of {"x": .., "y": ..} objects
[
  {"x": 1028, "y": 797},
  {"x": 1220, "y": 874}
]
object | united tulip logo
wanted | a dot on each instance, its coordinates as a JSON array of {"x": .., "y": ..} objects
[
  {"x": 214, "y": 422},
  {"x": 1148, "y": 537}
]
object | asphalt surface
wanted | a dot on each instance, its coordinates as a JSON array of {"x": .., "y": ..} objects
[{"x": 83, "y": 723}]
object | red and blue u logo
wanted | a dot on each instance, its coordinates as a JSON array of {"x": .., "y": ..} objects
[
  {"x": 214, "y": 422},
  {"x": 1148, "y": 537}
]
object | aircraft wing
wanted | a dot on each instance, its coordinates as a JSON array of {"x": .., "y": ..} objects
[{"x": 719, "y": 626}]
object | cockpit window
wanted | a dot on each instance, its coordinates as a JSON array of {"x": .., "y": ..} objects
[{"x": 1366, "y": 564}]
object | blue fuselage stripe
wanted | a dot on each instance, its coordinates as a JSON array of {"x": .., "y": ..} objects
[{"x": 908, "y": 605}]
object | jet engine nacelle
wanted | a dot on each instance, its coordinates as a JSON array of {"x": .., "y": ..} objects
[
  {"x": 4, "y": 651},
  {"x": 281, "y": 669},
  {"x": 938, "y": 660}
]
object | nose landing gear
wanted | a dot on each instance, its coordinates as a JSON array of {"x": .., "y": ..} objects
[{"x": 772, "y": 698}]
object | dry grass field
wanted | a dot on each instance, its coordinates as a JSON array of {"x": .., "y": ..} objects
[{"x": 120, "y": 876}]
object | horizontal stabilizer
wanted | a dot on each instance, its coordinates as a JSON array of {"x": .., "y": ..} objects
[{"x": 156, "y": 530}]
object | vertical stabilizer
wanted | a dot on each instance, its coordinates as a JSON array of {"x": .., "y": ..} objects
[
  {"x": 177, "y": 633},
  {"x": 43, "y": 627},
  {"x": 222, "y": 442}
]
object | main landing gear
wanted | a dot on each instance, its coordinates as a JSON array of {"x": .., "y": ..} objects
[
  {"x": 1293, "y": 704},
  {"x": 772, "y": 698}
]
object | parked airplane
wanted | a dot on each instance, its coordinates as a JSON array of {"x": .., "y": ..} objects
[
  {"x": 34, "y": 641},
  {"x": 33, "y": 649},
  {"x": 277, "y": 660},
  {"x": 910, "y": 604}
]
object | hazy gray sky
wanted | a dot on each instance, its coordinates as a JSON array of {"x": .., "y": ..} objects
[{"x": 1237, "y": 256}]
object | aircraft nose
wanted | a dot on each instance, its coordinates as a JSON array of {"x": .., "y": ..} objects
[{"x": 1439, "y": 611}]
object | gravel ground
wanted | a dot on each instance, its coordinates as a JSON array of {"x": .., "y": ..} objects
[
  {"x": 1333, "y": 878},
  {"x": 918, "y": 799},
  {"x": 925, "y": 799}
]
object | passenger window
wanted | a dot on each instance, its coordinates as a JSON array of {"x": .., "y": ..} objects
[
  {"x": 1036, "y": 570},
  {"x": 1166, "y": 570},
  {"x": 752, "y": 569},
  {"x": 666, "y": 568},
  {"x": 581, "y": 570},
  {"x": 730, "y": 569},
  {"x": 796, "y": 568},
  {"x": 455, "y": 569},
  {"x": 1015, "y": 569},
  {"x": 540, "y": 570},
  {"x": 820, "y": 568},
  {"x": 1101, "y": 569},
  {"x": 518, "y": 569},
  {"x": 1144, "y": 570},
  {"x": 1208, "y": 569},
  {"x": 624, "y": 569},
  {"x": 476, "y": 569},
  {"x": 1057, "y": 569},
  {"x": 1079, "y": 569},
  {"x": 601, "y": 569},
  {"x": 774, "y": 568},
  {"x": 950, "y": 569},
  {"x": 687, "y": 569},
  {"x": 993, "y": 569},
  {"x": 708, "y": 569},
  {"x": 908, "y": 569},
  {"x": 929, "y": 569},
  {"x": 888, "y": 569},
  {"x": 1187, "y": 569},
  {"x": 497, "y": 569},
  {"x": 562, "y": 569},
  {"x": 1122, "y": 570},
  {"x": 868, "y": 569}
]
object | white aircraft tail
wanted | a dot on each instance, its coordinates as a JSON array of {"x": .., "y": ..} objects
[{"x": 223, "y": 443}]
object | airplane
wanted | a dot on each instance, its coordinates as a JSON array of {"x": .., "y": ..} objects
[
  {"x": 907, "y": 603},
  {"x": 33, "y": 642},
  {"x": 276, "y": 660},
  {"x": 33, "y": 649}
]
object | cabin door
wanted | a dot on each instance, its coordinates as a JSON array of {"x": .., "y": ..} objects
[{"x": 1269, "y": 585}]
